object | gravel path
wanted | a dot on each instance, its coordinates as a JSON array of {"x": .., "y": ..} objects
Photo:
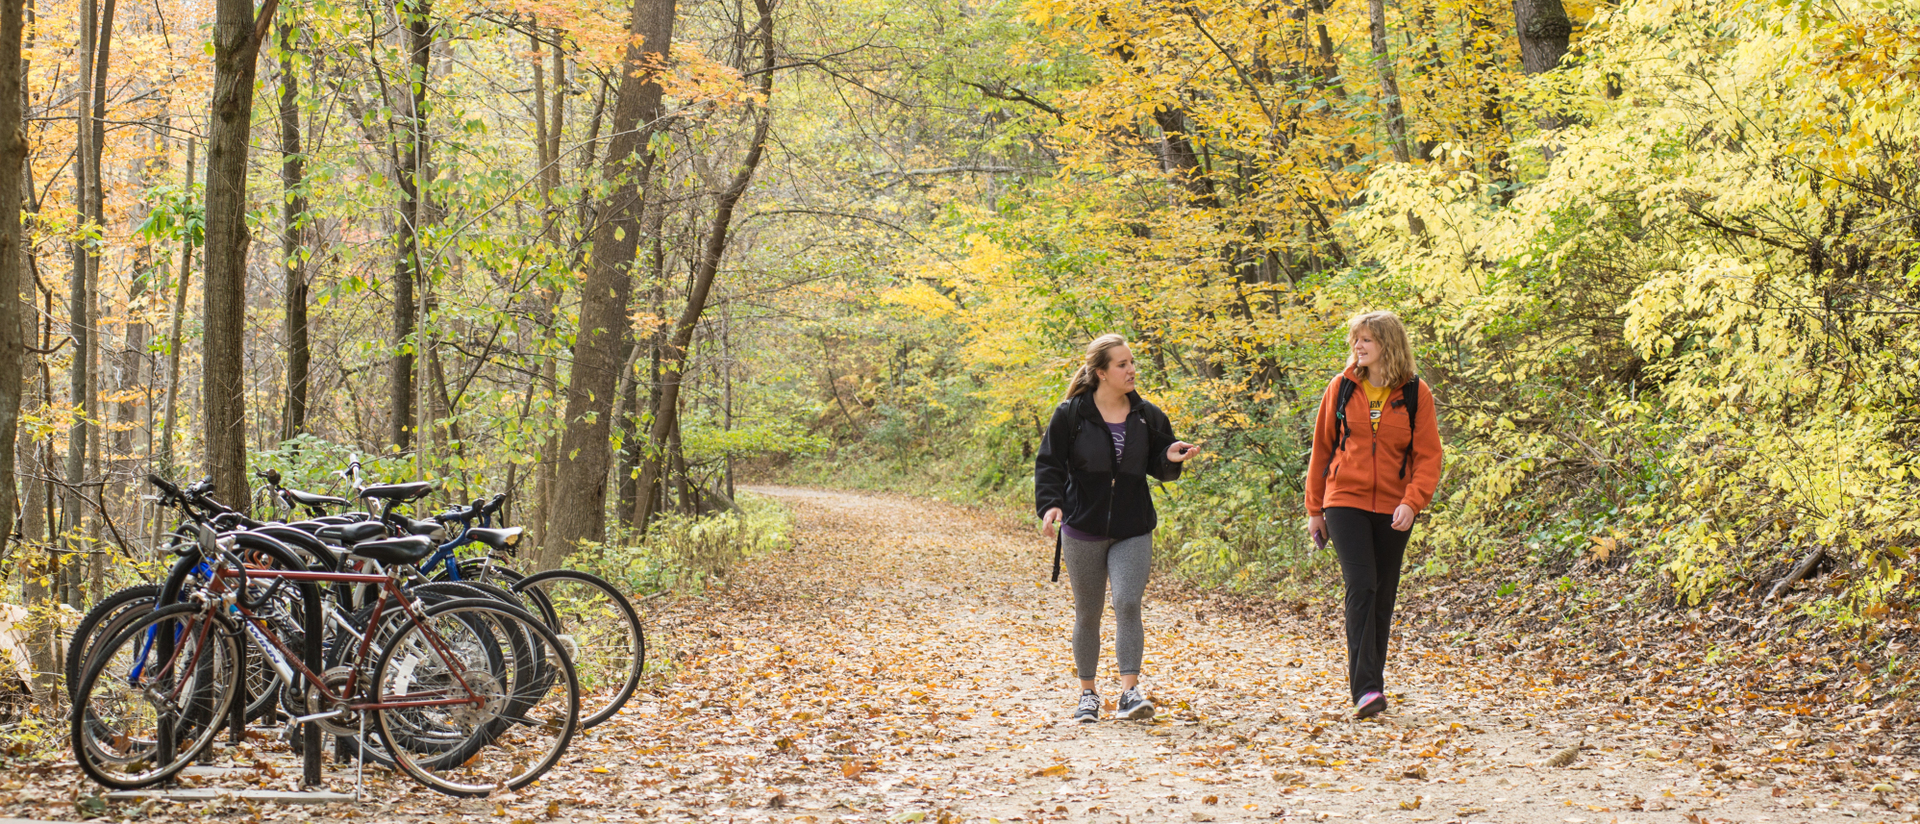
[{"x": 909, "y": 661}]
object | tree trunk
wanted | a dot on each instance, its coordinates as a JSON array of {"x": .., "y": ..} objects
[
  {"x": 1396, "y": 119},
  {"x": 293, "y": 219},
  {"x": 548, "y": 179},
  {"x": 580, "y": 492},
  {"x": 79, "y": 319},
  {"x": 406, "y": 259},
  {"x": 667, "y": 411},
  {"x": 173, "y": 337},
  {"x": 1323, "y": 50},
  {"x": 1493, "y": 120},
  {"x": 13, "y": 155},
  {"x": 1544, "y": 29},
  {"x": 632, "y": 449},
  {"x": 236, "y": 42}
]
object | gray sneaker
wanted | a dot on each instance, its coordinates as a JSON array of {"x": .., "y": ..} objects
[
  {"x": 1134, "y": 706},
  {"x": 1089, "y": 709}
]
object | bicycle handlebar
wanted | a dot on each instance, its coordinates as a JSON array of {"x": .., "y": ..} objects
[{"x": 478, "y": 509}]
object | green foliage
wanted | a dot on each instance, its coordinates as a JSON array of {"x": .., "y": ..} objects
[
  {"x": 683, "y": 552},
  {"x": 1669, "y": 339}
]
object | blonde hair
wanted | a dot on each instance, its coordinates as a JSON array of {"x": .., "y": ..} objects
[
  {"x": 1099, "y": 356},
  {"x": 1395, "y": 364}
]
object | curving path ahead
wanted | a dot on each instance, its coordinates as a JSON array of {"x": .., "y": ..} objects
[{"x": 908, "y": 660}]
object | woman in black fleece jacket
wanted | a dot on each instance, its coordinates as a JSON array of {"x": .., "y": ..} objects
[{"x": 1090, "y": 483}]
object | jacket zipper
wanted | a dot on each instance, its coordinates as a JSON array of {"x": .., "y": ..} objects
[
  {"x": 1113, "y": 477},
  {"x": 1373, "y": 445}
]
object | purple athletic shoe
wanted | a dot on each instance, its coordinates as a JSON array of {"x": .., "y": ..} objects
[{"x": 1370, "y": 705}]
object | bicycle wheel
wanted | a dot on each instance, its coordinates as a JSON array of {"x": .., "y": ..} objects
[
  {"x": 154, "y": 697},
  {"x": 395, "y": 619},
  {"x": 601, "y": 632},
  {"x": 117, "y": 611},
  {"x": 134, "y": 599},
  {"x": 461, "y": 718}
]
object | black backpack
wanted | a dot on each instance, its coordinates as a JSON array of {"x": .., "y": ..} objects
[{"x": 1409, "y": 398}]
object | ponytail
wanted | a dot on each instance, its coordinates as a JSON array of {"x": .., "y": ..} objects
[
  {"x": 1084, "y": 380},
  {"x": 1099, "y": 356}
]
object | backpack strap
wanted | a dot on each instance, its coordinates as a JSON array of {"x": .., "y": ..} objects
[
  {"x": 1061, "y": 529},
  {"x": 1340, "y": 427},
  {"x": 1410, "y": 398},
  {"x": 1058, "y": 530}
]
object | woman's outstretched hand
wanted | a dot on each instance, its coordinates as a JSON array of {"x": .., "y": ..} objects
[
  {"x": 1180, "y": 451},
  {"x": 1050, "y": 522}
]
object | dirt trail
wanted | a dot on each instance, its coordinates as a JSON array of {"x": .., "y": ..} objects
[
  {"x": 908, "y": 661},
  {"x": 909, "y": 658}
]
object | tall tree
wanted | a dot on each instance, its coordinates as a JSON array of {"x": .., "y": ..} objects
[
  {"x": 546, "y": 305},
  {"x": 1394, "y": 114},
  {"x": 79, "y": 309},
  {"x": 13, "y": 286},
  {"x": 407, "y": 272},
  {"x": 237, "y": 35},
  {"x": 666, "y": 413},
  {"x": 580, "y": 492},
  {"x": 293, "y": 220},
  {"x": 179, "y": 313}
]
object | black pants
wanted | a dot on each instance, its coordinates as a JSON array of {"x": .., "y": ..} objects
[{"x": 1370, "y": 552}]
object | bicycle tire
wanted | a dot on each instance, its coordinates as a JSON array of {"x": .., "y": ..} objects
[
  {"x": 602, "y": 633},
  {"x": 426, "y": 595},
  {"x": 108, "y": 726},
  {"x": 511, "y": 714},
  {"x": 128, "y": 599}
]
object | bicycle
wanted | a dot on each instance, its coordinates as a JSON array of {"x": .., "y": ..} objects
[{"x": 456, "y": 681}]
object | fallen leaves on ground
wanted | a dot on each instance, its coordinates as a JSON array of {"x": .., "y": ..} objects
[{"x": 908, "y": 661}]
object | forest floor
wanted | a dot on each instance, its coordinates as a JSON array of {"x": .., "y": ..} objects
[{"x": 908, "y": 661}]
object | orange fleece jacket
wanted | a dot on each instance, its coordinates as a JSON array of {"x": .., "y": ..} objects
[{"x": 1366, "y": 473}]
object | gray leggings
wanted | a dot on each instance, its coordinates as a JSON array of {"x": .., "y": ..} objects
[{"x": 1090, "y": 565}]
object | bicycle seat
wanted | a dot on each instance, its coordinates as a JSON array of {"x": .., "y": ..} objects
[
  {"x": 501, "y": 539},
  {"x": 310, "y": 499},
  {"x": 397, "y": 492},
  {"x": 421, "y": 527},
  {"x": 410, "y": 549},
  {"x": 351, "y": 534}
]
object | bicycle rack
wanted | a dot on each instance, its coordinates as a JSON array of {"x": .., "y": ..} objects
[{"x": 310, "y": 774}]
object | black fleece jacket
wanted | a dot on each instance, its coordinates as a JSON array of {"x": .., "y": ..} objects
[{"x": 1075, "y": 469}]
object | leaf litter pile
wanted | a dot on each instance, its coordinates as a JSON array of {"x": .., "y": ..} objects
[{"x": 907, "y": 661}]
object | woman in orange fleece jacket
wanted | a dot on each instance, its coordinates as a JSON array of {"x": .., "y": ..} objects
[{"x": 1376, "y": 462}]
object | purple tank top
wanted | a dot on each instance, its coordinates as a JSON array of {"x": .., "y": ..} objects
[{"x": 1118, "y": 433}]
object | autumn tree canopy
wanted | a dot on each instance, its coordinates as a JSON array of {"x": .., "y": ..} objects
[{"x": 609, "y": 258}]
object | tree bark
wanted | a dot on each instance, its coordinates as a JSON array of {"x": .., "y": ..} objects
[
  {"x": 580, "y": 491},
  {"x": 1544, "y": 30},
  {"x": 13, "y": 154},
  {"x": 667, "y": 411},
  {"x": 1396, "y": 119},
  {"x": 632, "y": 450},
  {"x": 79, "y": 319},
  {"x": 173, "y": 337},
  {"x": 406, "y": 260},
  {"x": 549, "y": 299},
  {"x": 293, "y": 218},
  {"x": 236, "y": 42}
]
